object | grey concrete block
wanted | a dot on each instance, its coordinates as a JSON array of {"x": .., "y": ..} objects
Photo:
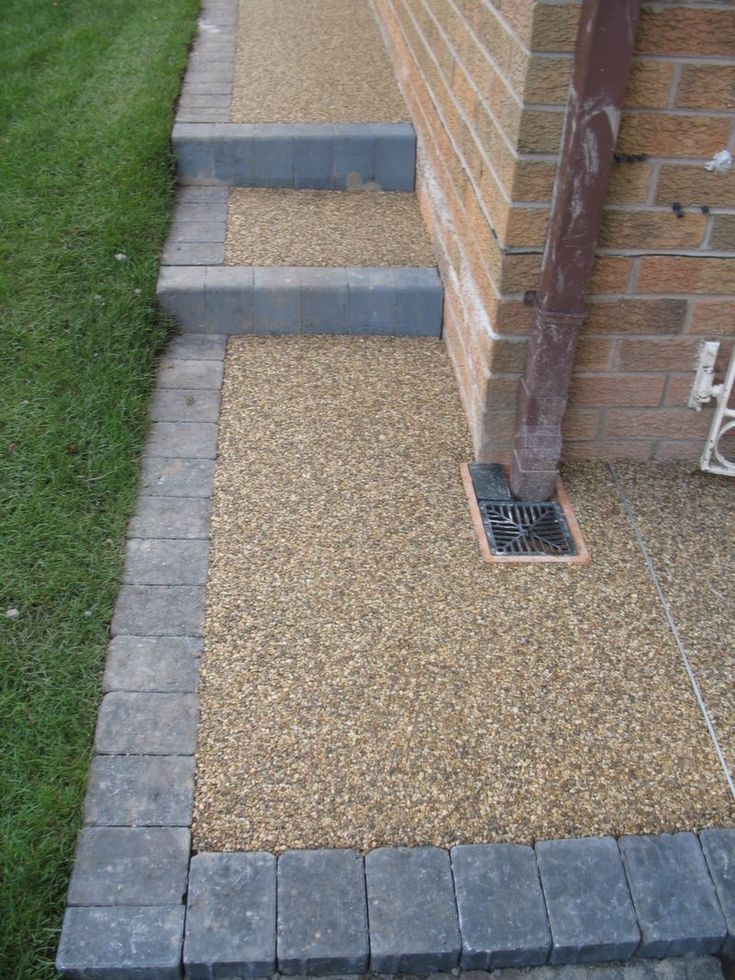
[
  {"x": 183, "y": 231},
  {"x": 177, "y": 477},
  {"x": 395, "y": 156},
  {"x": 201, "y": 212},
  {"x": 190, "y": 440},
  {"x": 140, "y": 791},
  {"x": 229, "y": 300},
  {"x": 719, "y": 852},
  {"x": 159, "y": 610},
  {"x": 697, "y": 968},
  {"x": 274, "y": 155},
  {"x": 412, "y": 910},
  {"x": 189, "y": 254},
  {"x": 121, "y": 943},
  {"x": 148, "y": 663},
  {"x": 324, "y": 300},
  {"x": 322, "y": 913},
  {"x": 166, "y": 561},
  {"x": 180, "y": 292},
  {"x": 192, "y": 146},
  {"x": 419, "y": 303},
  {"x": 130, "y": 866},
  {"x": 190, "y": 88},
  {"x": 354, "y": 156},
  {"x": 587, "y": 899},
  {"x": 313, "y": 157},
  {"x": 190, "y": 101},
  {"x": 371, "y": 300},
  {"x": 170, "y": 517},
  {"x": 502, "y": 915},
  {"x": 231, "y": 916},
  {"x": 234, "y": 156},
  {"x": 185, "y": 405},
  {"x": 177, "y": 372},
  {"x": 673, "y": 894},
  {"x": 277, "y": 298},
  {"x": 197, "y": 347},
  {"x": 202, "y": 115},
  {"x": 147, "y": 724}
]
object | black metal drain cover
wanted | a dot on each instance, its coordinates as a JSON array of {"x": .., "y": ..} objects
[{"x": 520, "y": 528}]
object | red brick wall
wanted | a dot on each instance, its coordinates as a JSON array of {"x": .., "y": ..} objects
[{"x": 486, "y": 82}]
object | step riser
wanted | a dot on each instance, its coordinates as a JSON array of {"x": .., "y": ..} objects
[
  {"x": 238, "y": 300},
  {"x": 334, "y": 156}
]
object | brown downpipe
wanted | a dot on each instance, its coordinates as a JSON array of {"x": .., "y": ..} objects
[{"x": 601, "y": 67}]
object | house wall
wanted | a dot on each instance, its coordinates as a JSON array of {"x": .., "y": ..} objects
[{"x": 486, "y": 82}]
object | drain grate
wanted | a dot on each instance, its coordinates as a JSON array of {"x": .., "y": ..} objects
[{"x": 529, "y": 529}]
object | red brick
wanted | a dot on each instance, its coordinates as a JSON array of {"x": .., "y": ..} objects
[
  {"x": 673, "y": 273},
  {"x": 714, "y": 319},
  {"x": 554, "y": 27},
  {"x": 686, "y": 30},
  {"x": 610, "y": 274},
  {"x": 637, "y": 449},
  {"x": 651, "y": 229},
  {"x": 673, "y": 354},
  {"x": 671, "y": 135},
  {"x": 637, "y": 316},
  {"x": 667, "y": 423},
  {"x": 706, "y": 87},
  {"x": 649, "y": 84},
  {"x": 693, "y": 185},
  {"x": 638, "y": 390}
]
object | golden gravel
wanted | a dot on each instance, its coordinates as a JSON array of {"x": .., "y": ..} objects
[
  {"x": 687, "y": 519},
  {"x": 325, "y": 228},
  {"x": 367, "y": 680},
  {"x": 307, "y": 61}
]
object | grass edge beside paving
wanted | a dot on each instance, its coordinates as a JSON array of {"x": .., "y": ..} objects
[{"x": 87, "y": 183}]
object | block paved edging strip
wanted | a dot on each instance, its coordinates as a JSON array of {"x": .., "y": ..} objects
[{"x": 395, "y": 300}]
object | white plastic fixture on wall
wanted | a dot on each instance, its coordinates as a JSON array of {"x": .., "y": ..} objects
[{"x": 713, "y": 458}]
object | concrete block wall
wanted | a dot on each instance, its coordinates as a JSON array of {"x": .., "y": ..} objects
[{"x": 486, "y": 82}]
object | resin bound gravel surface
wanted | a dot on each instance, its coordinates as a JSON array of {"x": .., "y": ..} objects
[
  {"x": 309, "y": 61},
  {"x": 367, "y": 680},
  {"x": 325, "y": 228}
]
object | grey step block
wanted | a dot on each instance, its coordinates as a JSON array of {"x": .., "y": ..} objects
[
  {"x": 675, "y": 900},
  {"x": 587, "y": 899},
  {"x": 322, "y": 913},
  {"x": 231, "y": 916},
  {"x": 130, "y": 866},
  {"x": 140, "y": 791},
  {"x": 333, "y": 156},
  {"x": 387, "y": 301},
  {"x": 120, "y": 943},
  {"x": 502, "y": 915},
  {"x": 412, "y": 911},
  {"x": 719, "y": 852}
]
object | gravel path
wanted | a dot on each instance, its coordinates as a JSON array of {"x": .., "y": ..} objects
[
  {"x": 303, "y": 61},
  {"x": 325, "y": 228},
  {"x": 367, "y": 680}
]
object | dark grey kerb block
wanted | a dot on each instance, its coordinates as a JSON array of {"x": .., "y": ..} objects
[
  {"x": 122, "y": 943},
  {"x": 147, "y": 724},
  {"x": 502, "y": 915},
  {"x": 719, "y": 852},
  {"x": 191, "y": 440},
  {"x": 277, "y": 298},
  {"x": 185, "y": 405},
  {"x": 231, "y": 916},
  {"x": 313, "y": 156},
  {"x": 178, "y": 372},
  {"x": 140, "y": 791},
  {"x": 419, "y": 303},
  {"x": 323, "y": 300},
  {"x": 159, "y": 610},
  {"x": 162, "y": 663},
  {"x": 208, "y": 347},
  {"x": 228, "y": 302},
  {"x": 177, "y": 478},
  {"x": 166, "y": 561},
  {"x": 674, "y": 897},
  {"x": 130, "y": 866},
  {"x": 412, "y": 911},
  {"x": 171, "y": 517},
  {"x": 395, "y": 156},
  {"x": 180, "y": 292},
  {"x": 589, "y": 906},
  {"x": 322, "y": 913}
]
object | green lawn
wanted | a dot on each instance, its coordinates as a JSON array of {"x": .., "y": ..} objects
[{"x": 86, "y": 100}]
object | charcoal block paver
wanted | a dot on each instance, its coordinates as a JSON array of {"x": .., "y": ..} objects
[
  {"x": 162, "y": 517},
  {"x": 324, "y": 300},
  {"x": 147, "y": 724},
  {"x": 719, "y": 852},
  {"x": 176, "y": 372},
  {"x": 159, "y": 610},
  {"x": 177, "y": 478},
  {"x": 589, "y": 906},
  {"x": 166, "y": 561},
  {"x": 231, "y": 916},
  {"x": 412, "y": 911},
  {"x": 185, "y": 405},
  {"x": 197, "y": 347},
  {"x": 674, "y": 896},
  {"x": 130, "y": 866},
  {"x": 160, "y": 663},
  {"x": 697, "y": 968},
  {"x": 502, "y": 915},
  {"x": 229, "y": 300},
  {"x": 371, "y": 302},
  {"x": 182, "y": 253},
  {"x": 191, "y": 440},
  {"x": 322, "y": 913},
  {"x": 123, "y": 943},
  {"x": 140, "y": 791}
]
